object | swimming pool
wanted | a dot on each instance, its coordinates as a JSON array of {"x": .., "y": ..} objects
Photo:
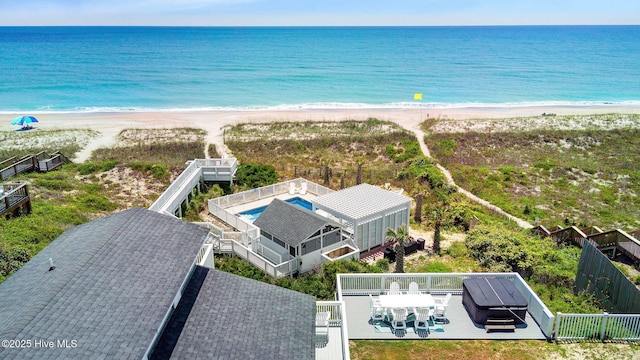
[{"x": 253, "y": 214}]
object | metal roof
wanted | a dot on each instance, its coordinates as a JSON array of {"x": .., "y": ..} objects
[
  {"x": 360, "y": 201},
  {"x": 226, "y": 316},
  {"x": 114, "y": 281}
]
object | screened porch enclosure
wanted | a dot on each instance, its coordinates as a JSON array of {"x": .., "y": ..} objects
[{"x": 366, "y": 211}]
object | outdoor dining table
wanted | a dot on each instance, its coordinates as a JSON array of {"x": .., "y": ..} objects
[{"x": 407, "y": 301}]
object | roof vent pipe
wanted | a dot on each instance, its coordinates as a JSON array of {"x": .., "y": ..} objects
[{"x": 51, "y": 266}]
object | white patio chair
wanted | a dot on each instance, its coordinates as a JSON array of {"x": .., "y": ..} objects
[
  {"x": 440, "y": 311},
  {"x": 422, "y": 318},
  {"x": 303, "y": 188},
  {"x": 292, "y": 188},
  {"x": 377, "y": 311},
  {"x": 413, "y": 288},
  {"x": 394, "y": 288},
  {"x": 399, "y": 320},
  {"x": 322, "y": 323}
]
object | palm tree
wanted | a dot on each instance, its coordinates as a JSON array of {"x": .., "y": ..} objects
[
  {"x": 400, "y": 236},
  {"x": 439, "y": 215}
]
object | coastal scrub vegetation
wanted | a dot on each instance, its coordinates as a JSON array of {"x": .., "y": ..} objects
[
  {"x": 583, "y": 177},
  {"x": 146, "y": 148},
  {"x": 115, "y": 179},
  {"x": 251, "y": 176},
  {"x": 19, "y": 144},
  {"x": 326, "y": 152},
  {"x": 321, "y": 283}
]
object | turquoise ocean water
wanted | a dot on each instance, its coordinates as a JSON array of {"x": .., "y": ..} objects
[{"x": 51, "y": 69}]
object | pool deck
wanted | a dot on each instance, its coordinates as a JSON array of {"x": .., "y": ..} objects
[{"x": 266, "y": 201}]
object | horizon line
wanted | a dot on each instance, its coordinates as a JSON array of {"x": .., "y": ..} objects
[{"x": 319, "y": 26}]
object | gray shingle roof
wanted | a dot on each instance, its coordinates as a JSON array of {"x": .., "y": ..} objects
[
  {"x": 361, "y": 201},
  {"x": 225, "y": 316},
  {"x": 290, "y": 223},
  {"x": 114, "y": 281}
]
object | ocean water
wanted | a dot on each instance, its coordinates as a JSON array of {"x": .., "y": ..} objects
[{"x": 52, "y": 69}]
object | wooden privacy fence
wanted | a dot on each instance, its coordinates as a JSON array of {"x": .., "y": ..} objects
[
  {"x": 624, "y": 327},
  {"x": 598, "y": 276}
]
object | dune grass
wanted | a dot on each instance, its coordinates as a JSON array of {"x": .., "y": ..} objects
[
  {"x": 565, "y": 177},
  {"x": 168, "y": 147},
  {"x": 68, "y": 142},
  {"x": 322, "y": 150}
]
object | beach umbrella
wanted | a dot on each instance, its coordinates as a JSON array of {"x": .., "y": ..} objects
[{"x": 24, "y": 120}]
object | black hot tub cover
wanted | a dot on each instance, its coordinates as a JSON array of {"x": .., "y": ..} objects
[{"x": 494, "y": 293}]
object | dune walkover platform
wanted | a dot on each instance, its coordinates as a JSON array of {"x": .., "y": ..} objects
[{"x": 41, "y": 162}]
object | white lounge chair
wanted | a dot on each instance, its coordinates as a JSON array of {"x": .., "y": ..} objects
[
  {"x": 399, "y": 320},
  {"x": 413, "y": 288},
  {"x": 440, "y": 311},
  {"x": 422, "y": 318},
  {"x": 377, "y": 311},
  {"x": 394, "y": 288},
  {"x": 303, "y": 188},
  {"x": 322, "y": 323},
  {"x": 292, "y": 188}
]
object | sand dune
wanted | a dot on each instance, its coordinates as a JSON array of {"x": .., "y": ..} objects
[{"x": 110, "y": 124}]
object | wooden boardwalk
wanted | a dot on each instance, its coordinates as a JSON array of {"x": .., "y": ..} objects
[
  {"x": 14, "y": 197},
  {"x": 460, "y": 326},
  {"x": 38, "y": 162}
]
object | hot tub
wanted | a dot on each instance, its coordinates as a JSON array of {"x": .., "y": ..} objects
[{"x": 486, "y": 298}]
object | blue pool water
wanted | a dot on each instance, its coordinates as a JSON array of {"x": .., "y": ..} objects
[{"x": 253, "y": 214}]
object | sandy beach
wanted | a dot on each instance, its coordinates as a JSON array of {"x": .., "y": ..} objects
[{"x": 110, "y": 124}]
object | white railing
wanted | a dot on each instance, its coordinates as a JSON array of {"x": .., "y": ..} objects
[
  {"x": 268, "y": 191},
  {"x": 205, "y": 256},
  {"x": 337, "y": 319},
  {"x": 218, "y": 169},
  {"x": 270, "y": 254},
  {"x": 187, "y": 180},
  {"x": 277, "y": 271},
  {"x": 442, "y": 283},
  {"x": 182, "y": 186},
  {"x": 605, "y": 326}
]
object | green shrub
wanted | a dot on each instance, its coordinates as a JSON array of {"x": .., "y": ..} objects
[
  {"x": 94, "y": 203},
  {"x": 383, "y": 264},
  {"x": 12, "y": 259},
  {"x": 256, "y": 175},
  {"x": 90, "y": 167},
  {"x": 409, "y": 149},
  {"x": 426, "y": 172},
  {"x": 158, "y": 171},
  {"x": 447, "y": 147},
  {"x": 500, "y": 250}
]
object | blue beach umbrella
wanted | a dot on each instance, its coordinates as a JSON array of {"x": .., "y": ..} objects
[{"x": 24, "y": 120}]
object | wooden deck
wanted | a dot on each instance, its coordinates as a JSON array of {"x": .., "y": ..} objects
[{"x": 460, "y": 326}]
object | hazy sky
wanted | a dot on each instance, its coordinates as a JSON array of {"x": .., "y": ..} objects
[{"x": 317, "y": 12}]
